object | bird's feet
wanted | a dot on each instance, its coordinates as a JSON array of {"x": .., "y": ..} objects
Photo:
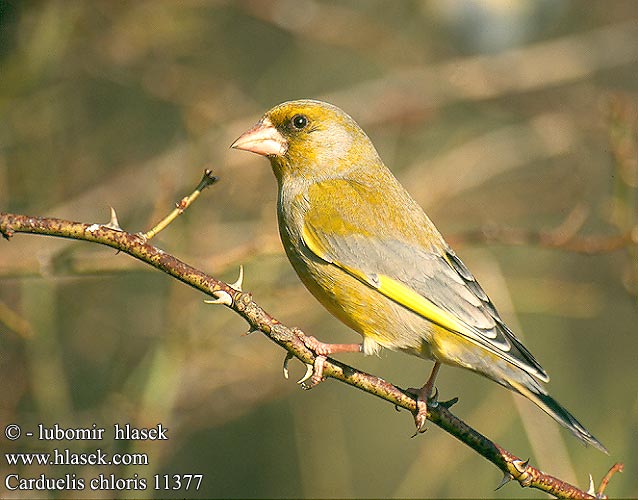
[
  {"x": 423, "y": 400},
  {"x": 322, "y": 350},
  {"x": 424, "y": 396}
]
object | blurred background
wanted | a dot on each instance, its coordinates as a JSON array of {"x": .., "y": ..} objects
[{"x": 513, "y": 123}]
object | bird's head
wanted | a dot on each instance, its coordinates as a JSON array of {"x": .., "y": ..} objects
[{"x": 310, "y": 139}]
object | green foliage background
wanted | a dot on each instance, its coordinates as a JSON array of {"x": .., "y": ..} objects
[{"x": 500, "y": 113}]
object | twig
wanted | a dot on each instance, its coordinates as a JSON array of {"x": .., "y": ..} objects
[
  {"x": 291, "y": 340},
  {"x": 617, "y": 467},
  {"x": 207, "y": 180}
]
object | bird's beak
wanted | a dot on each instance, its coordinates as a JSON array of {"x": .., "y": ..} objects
[{"x": 263, "y": 139}]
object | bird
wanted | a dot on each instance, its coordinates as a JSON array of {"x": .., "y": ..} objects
[{"x": 370, "y": 255}]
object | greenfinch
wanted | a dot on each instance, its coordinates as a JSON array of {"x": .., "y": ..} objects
[{"x": 369, "y": 253}]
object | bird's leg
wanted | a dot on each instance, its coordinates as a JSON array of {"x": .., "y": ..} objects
[
  {"x": 422, "y": 396},
  {"x": 322, "y": 350}
]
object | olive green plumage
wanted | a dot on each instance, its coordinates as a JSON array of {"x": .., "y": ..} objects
[{"x": 367, "y": 251}]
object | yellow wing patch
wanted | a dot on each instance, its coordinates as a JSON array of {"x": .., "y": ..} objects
[
  {"x": 394, "y": 290},
  {"x": 416, "y": 302}
]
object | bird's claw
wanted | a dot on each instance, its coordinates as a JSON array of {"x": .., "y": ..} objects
[
  {"x": 312, "y": 374},
  {"x": 309, "y": 372},
  {"x": 420, "y": 426},
  {"x": 421, "y": 418},
  {"x": 317, "y": 373},
  {"x": 421, "y": 414}
]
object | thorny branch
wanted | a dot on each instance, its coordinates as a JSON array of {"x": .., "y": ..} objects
[{"x": 136, "y": 245}]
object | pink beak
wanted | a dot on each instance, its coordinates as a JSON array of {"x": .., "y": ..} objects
[{"x": 263, "y": 139}]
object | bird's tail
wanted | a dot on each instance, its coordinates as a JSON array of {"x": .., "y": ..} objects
[{"x": 537, "y": 394}]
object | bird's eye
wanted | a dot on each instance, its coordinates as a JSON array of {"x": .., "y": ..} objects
[{"x": 299, "y": 121}]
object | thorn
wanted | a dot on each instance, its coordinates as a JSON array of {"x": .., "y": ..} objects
[
  {"x": 592, "y": 489},
  {"x": 507, "y": 477},
  {"x": 113, "y": 223},
  {"x": 287, "y": 359},
  {"x": 250, "y": 331},
  {"x": 521, "y": 466},
  {"x": 240, "y": 280},
  {"x": 309, "y": 371},
  {"x": 222, "y": 298}
]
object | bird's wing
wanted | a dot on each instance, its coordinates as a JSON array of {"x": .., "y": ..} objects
[{"x": 437, "y": 287}]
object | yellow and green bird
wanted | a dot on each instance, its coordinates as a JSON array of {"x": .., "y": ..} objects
[{"x": 369, "y": 253}]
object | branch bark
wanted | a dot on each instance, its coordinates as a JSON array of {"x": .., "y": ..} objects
[{"x": 137, "y": 246}]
